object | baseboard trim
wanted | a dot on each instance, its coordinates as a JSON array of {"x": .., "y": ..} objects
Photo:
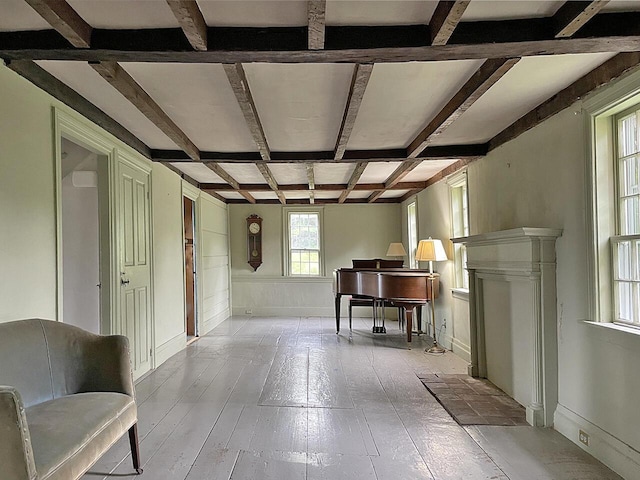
[
  {"x": 285, "y": 311},
  {"x": 213, "y": 322},
  {"x": 459, "y": 348},
  {"x": 615, "y": 454},
  {"x": 169, "y": 348}
]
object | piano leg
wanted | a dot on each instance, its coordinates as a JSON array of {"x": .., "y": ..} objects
[
  {"x": 409, "y": 313},
  {"x": 338, "y": 297}
]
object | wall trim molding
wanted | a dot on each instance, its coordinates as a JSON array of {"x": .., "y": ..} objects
[
  {"x": 611, "y": 451},
  {"x": 170, "y": 348},
  {"x": 461, "y": 349},
  {"x": 278, "y": 279},
  {"x": 211, "y": 323}
]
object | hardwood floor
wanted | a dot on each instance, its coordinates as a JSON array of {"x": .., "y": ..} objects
[{"x": 287, "y": 398}]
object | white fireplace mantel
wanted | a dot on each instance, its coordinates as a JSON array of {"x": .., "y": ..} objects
[{"x": 512, "y": 310}]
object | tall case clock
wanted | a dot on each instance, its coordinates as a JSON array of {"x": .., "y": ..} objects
[{"x": 254, "y": 241}]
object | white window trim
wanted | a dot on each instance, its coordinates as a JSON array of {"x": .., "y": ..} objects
[
  {"x": 599, "y": 109},
  {"x": 456, "y": 180},
  {"x": 286, "y": 267},
  {"x": 412, "y": 253}
]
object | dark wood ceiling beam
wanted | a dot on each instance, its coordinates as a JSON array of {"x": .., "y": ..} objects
[
  {"x": 316, "y": 24},
  {"x": 322, "y": 187},
  {"x": 54, "y": 87},
  {"x": 487, "y": 75},
  {"x": 605, "y": 73},
  {"x": 132, "y": 91},
  {"x": 397, "y": 175},
  {"x": 573, "y": 15},
  {"x": 320, "y": 201},
  {"x": 605, "y": 32},
  {"x": 240, "y": 85},
  {"x": 224, "y": 175},
  {"x": 311, "y": 180},
  {"x": 445, "y": 19},
  {"x": 353, "y": 180},
  {"x": 359, "y": 81},
  {"x": 271, "y": 182},
  {"x": 446, "y": 152},
  {"x": 65, "y": 20},
  {"x": 191, "y": 21}
]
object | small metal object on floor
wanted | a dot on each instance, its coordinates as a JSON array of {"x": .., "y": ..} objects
[{"x": 474, "y": 401}]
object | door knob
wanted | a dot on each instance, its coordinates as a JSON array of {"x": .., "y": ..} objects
[{"x": 124, "y": 282}]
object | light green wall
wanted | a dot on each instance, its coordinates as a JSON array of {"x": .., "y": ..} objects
[
  {"x": 28, "y": 218},
  {"x": 538, "y": 180},
  {"x": 350, "y": 231},
  {"x": 168, "y": 255},
  {"x": 27, "y": 207}
]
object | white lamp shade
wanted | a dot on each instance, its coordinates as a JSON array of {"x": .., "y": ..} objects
[
  {"x": 431, "y": 250},
  {"x": 396, "y": 250}
]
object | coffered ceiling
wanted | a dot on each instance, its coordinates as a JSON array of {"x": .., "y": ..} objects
[{"x": 318, "y": 101}]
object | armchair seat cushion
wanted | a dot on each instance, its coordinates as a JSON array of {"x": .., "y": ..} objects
[{"x": 68, "y": 434}]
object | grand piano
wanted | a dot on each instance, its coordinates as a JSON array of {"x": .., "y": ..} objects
[{"x": 398, "y": 287}]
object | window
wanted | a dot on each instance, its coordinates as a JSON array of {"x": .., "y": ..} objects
[
  {"x": 412, "y": 230},
  {"x": 626, "y": 243},
  {"x": 304, "y": 243},
  {"x": 459, "y": 225}
]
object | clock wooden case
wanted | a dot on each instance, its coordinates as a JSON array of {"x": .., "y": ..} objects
[{"x": 254, "y": 241}]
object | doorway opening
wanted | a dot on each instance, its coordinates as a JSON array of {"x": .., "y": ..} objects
[
  {"x": 190, "y": 269},
  {"x": 82, "y": 200}
]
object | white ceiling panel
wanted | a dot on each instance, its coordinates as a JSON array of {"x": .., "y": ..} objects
[
  {"x": 88, "y": 83},
  {"x": 199, "y": 172},
  {"x": 367, "y": 12},
  {"x": 393, "y": 193},
  {"x": 326, "y": 194},
  {"x": 378, "y": 172},
  {"x": 426, "y": 170},
  {"x": 401, "y": 98},
  {"x": 507, "y": 10},
  {"x": 231, "y": 195},
  {"x": 247, "y": 13},
  {"x": 125, "y": 13},
  {"x": 289, "y": 173},
  {"x": 360, "y": 194},
  {"x": 200, "y": 100},
  {"x": 622, "y": 6},
  {"x": 333, "y": 173},
  {"x": 18, "y": 15},
  {"x": 300, "y": 106},
  {"x": 244, "y": 172},
  {"x": 529, "y": 83},
  {"x": 296, "y": 194},
  {"x": 264, "y": 195}
]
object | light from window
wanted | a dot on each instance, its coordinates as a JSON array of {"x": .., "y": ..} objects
[
  {"x": 459, "y": 226},
  {"x": 412, "y": 227},
  {"x": 626, "y": 245},
  {"x": 304, "y": 243}
]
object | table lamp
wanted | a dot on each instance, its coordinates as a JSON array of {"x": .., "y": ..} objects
[
  {"x": 396, "y": 249},
  {"x": 432, "y": 250}
]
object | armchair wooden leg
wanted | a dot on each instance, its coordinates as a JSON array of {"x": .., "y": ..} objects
[{"x": 135, "y": 448}]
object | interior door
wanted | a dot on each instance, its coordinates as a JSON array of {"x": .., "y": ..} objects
[{"x": 135, "y": 265}]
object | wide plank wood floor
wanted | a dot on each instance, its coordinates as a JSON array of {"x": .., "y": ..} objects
[{"x": 287, "y": 398}]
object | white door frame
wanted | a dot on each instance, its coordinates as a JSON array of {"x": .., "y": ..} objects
[
  {"x": 193, "y": 194},
  {"x": 81, "y": 132}
]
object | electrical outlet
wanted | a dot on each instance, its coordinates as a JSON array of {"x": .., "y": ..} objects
[
  {"x": 444, "y": 323},
  {"x": 584, "y": 438},
  {"x": 248, "y": 311}
]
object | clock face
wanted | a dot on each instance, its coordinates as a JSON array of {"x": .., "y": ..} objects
[{"x": 254, "y": 227}]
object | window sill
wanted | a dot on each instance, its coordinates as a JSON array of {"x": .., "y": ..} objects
[
  {"x": 461, "y": 293},
  {"x": 614, "y": 326}
]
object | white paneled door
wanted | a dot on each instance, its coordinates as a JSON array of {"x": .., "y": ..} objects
[{"x": 135, "y": 265}]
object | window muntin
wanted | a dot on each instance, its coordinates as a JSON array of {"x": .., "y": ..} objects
[
  {"x": 459, "y": 226},
  {"x": 412, "y": 231},
  {"x": 626, "y": 244},
  {"x": 304, "y": 235}
]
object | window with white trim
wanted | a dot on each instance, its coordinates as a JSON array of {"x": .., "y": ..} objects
[
  {"x": 626, "y": 243},
  {"x": 304, "y": 242},
  {"x": 459, "y": 225},
  {"x": 412, "y": 232}
]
